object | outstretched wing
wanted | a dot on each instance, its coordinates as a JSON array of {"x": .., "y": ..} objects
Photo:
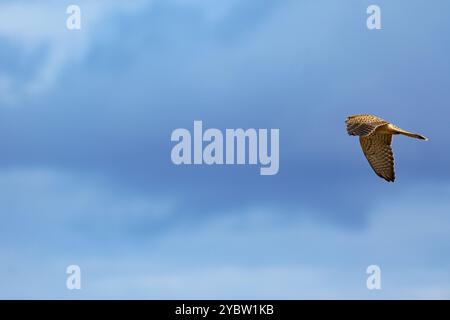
[
  {"x": 363, "y": 124},
  {"x": 378, "y": 151}
]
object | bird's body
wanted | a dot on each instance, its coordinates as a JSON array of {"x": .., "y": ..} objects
[{"x": 375, "y": 137}]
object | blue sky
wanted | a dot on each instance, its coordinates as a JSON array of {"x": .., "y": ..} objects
[{"x": 85, "y": 170}]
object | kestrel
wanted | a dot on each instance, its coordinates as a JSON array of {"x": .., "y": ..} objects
[{"x": 375, "y": 137}]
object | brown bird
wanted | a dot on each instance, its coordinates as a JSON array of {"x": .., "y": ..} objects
[{"x": 375, "y": 137}]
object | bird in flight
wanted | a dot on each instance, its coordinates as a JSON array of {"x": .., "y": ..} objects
[{"x": 375, "y": 137}]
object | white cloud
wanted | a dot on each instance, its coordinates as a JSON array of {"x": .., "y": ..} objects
[
  {"x": 30, "y": 26},
  {"x": 47, "y": 204},
  {"x": 249, "y": 253}
]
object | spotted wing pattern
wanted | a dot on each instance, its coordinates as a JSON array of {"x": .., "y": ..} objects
[
  {"x": 363, "y": 124},
  {"x": 378, "y": 151}
]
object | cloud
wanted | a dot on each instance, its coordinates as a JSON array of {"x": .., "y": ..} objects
[
  {"x": 253, "y": 253},
  {"x": 49, "y": 204},
  {"x": 33, "y": 26},
  {"x": 86, "y": 176},
  {"x": 279, "y": 67}
]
